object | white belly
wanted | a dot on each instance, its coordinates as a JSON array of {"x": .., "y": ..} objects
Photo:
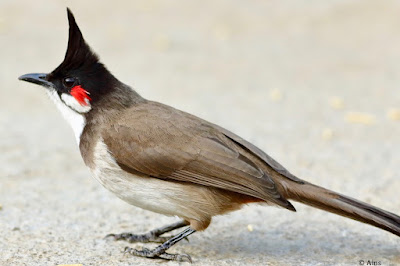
[{"x": 149, "y": 193}]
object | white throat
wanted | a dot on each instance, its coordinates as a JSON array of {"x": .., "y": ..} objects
[{"x": 75, "y": 119}]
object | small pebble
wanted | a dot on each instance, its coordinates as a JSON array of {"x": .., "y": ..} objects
[
  {"x": 336, "y": 103},
  {"x": 275, "y": 95},
  {"x": 250, "y": 228},
  {"x": 394, "y": 114},
  {"x": 360, "y": 118},
  {"x": 327, "y": 134}
]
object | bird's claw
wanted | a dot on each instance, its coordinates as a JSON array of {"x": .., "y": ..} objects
[
  {"x": 132, "y": 238},
  {"x": 153, "y": 255}
]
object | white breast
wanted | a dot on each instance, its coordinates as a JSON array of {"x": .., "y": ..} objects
[{"x": 76, "y": 120}]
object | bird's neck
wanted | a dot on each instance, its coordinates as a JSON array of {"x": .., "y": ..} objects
[{"x": 103, "y": 115}]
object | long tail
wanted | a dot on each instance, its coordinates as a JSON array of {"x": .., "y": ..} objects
[{"x": 330, "y": 201}]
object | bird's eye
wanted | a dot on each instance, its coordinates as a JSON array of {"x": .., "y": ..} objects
[{"x": 69, "y": 82}]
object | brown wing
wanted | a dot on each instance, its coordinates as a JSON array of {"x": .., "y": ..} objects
[
  {"x": 162, "y": 142},
  {"x": 260, "y": 154}
]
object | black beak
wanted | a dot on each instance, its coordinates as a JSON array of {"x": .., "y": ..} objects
[{"x": 37, "y": 78}]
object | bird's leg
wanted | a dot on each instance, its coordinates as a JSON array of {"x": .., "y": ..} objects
[
  {"x": 152, "y": 236},
  {"x": 159, "y": 252}
]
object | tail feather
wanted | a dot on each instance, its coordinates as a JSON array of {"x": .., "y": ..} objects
[{"x": 345, "y": 206}]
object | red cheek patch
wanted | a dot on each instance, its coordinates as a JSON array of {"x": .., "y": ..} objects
[{"x": 80, "y": 94}]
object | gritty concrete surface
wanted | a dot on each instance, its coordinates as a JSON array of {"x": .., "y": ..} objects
[{"x": 316, "y": 84}]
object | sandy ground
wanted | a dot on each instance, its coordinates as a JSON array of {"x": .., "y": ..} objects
[{"x": 313, "y": 83}]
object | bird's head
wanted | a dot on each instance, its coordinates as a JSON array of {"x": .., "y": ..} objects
[{"x": 80, "y": 80}]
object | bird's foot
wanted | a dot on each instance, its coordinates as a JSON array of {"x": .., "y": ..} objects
[
  {"x": 152, "y": 236},
  {"x": 155, "y": 254},
  {"x": 143, "y": 238}
]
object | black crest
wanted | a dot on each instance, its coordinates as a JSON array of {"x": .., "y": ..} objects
[
  {"x": 83, "y": 64},
  {"x": 78, "y": 55}
]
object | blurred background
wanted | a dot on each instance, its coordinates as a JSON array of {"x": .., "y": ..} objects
[{"x": 316, "y": 84}]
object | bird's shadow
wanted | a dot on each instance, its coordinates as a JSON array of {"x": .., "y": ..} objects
[{"x": 309, "y": 243}]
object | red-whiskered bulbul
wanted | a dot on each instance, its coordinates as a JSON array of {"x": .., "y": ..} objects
[{"x": 170, "y": 162}]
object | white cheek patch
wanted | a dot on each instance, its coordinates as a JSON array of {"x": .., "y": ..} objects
[
  {"x": 76, "y": 120},
  {"x": 75, "y": 105}
]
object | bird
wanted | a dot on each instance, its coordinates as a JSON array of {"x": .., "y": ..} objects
[{"x": 164, "y": 160}]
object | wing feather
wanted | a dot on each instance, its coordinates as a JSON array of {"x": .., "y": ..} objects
[{"x": 164, "y": 143}]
